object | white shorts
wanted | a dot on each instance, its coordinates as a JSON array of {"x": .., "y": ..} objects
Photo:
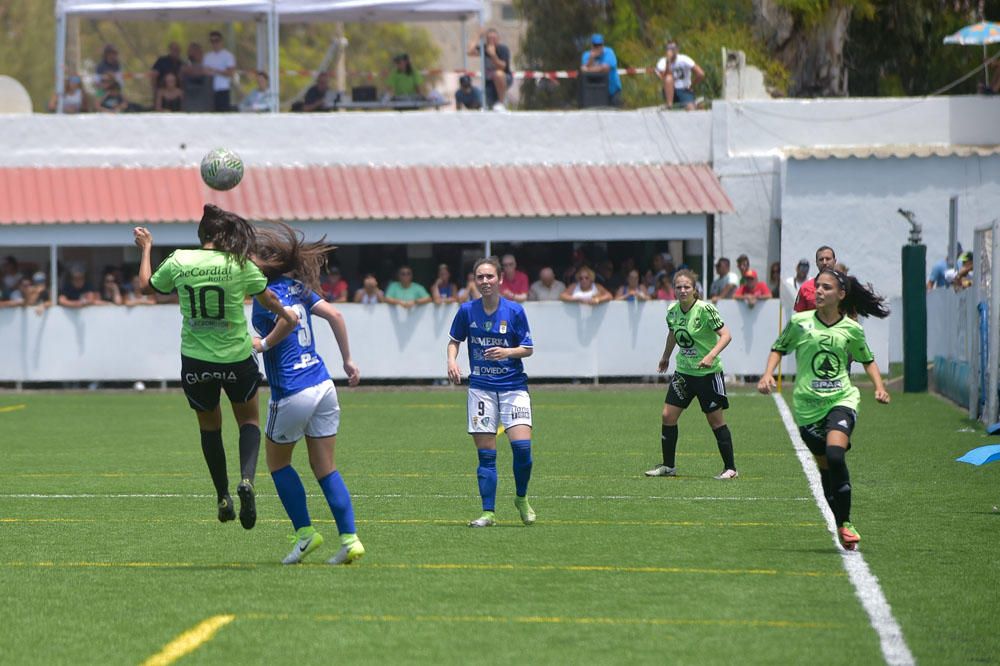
[
  {"x": 313, "y": 412},
  {"x": 487, "y": 410}
]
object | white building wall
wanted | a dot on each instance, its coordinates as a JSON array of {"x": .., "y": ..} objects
[{"x": 850, "y": 205}]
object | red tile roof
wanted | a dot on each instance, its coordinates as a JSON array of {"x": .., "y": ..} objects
[{"x": 176, "y": 194}]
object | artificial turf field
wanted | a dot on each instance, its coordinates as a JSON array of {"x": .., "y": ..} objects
[{"x": 110, "y": 547}]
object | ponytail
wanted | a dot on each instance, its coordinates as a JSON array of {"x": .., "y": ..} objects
[
  {"x": 281, "y": 250},
  {"x": 228, "y": 232},
  {"x": 859, "y": 299}
]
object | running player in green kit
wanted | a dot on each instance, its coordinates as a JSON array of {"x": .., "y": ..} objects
[
  {"x": 824, "y": 402},
  {"x": 697, "y": 329},
  {"x": 212, "y": 284}
]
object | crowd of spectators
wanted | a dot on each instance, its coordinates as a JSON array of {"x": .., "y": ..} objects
[{"x": 583, "y": 282}]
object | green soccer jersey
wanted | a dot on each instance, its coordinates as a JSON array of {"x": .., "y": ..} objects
[
  {"x": 696, "y": 332},
  {"x": 822, "y": 381},
  {"x": 211, "y": 286}
]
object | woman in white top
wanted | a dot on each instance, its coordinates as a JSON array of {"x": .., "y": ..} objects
[
  {"x": 75, "y": 99},
  {"x": 585, "y": 290},
  {"x": 369, "y": 293}
]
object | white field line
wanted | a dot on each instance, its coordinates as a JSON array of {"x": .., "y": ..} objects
[
  {"x": 673, "y": 498},
  {"x": 866, "y": 585},
  {"x": 189, "y": 641}
]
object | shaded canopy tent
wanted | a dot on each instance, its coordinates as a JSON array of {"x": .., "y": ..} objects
[{"x": 267, "y": 14}]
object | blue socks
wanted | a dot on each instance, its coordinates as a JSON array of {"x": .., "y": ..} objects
[
  {"x": 339, "y": 500},
  {"x": 521, "y": 448},
  {"x": 293, "y": 495},
  {"x": 487, "y": 475}
]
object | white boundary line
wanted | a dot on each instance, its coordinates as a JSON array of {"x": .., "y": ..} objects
[
  {"x": 866, "y": 586},
  {"x": 674, "y": 498}
]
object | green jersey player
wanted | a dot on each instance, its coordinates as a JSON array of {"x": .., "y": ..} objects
[
  {"x": 824, "y": 402},
  {"x": 696, "y": 329},
  {"x": 212, "y": 284}
]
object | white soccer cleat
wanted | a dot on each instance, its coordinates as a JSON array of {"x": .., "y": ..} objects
[
  {"x": 726, "y": 475},
  {"x": 485, "y": 520},
  {"x": 306, "y": 541},
  {"x": 662, "y": 470},
  {"x": 348, "y": 553}
]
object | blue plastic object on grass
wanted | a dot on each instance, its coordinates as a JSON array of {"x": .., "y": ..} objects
[
  {"x": 981, "y": 455},
  {"x": 993, "y": 429}
]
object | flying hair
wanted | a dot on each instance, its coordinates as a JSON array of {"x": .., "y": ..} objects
[
  {"x": 228, "y": 232},
  {"x": 859, "y": 299},
  {"x": 282, "y": 250}
]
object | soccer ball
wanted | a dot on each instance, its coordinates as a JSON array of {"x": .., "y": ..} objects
[{"x": 222, "y": 169}]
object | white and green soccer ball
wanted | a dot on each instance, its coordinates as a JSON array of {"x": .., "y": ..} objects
[{"x": 222, "y": 169}]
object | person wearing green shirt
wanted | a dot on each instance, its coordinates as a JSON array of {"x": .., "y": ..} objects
[
  {"x": 212, "y": 284},
  {"x": 404, "y": 81},
  {"x": 406, "y": 292},
  {"x": 695, "y": 327},
  {"x": 824, "y": 402}
]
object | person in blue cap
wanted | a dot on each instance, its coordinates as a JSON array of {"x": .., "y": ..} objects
[{"x": 601, "y": 59}]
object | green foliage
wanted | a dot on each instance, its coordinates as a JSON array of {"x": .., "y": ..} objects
[
  {"x": 810, "y": 11},
  {"x": 899, "y": 51},
  {"x": 637, "y": 30},
  {"x": 22, "y": 25}
]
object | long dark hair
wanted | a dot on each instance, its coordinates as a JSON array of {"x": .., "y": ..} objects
[
  {"x": 859, "y": 299},
  {"x": 281, "y": 250},
  {"x": 228, "y": 232}
]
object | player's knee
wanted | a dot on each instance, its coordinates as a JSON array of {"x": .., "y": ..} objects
[{"x": 835, "y": 457}]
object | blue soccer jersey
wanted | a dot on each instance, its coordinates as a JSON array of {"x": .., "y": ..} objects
[
  {"x": 507, "y": 327},
  {"x": 293, "y": 364}
]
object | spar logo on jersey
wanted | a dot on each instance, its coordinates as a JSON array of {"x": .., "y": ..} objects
[
  {"x": 826, "y": 366},
  {"x": 199, "y": 377},
  {"x": 684, "y": 339}
]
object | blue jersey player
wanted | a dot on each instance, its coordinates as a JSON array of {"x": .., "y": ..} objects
[
  {"x": 498, "y": 337},
  {"x": 303, "y": 397}
]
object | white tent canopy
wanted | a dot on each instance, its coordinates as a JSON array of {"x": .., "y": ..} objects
[{"x": 267, "y": 13}]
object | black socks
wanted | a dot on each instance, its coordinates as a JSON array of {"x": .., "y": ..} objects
[
  {"x": 668, "y": 444},
  {"x": 724, "y": 439},
  {"x": 840, "y": 484},
  {"x": 249, "y": 450},
  {"x": 215, "y": 458}
]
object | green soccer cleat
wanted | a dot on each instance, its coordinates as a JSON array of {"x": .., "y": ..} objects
[
  {"x": 486, "y": 520},
  {"x": 527, "y": 513},
  {"x": 351, "y": 550},
  {"x": 248, "y": 504},
  {"x": 848, "y": 536},
  {"x": 306, "y": 540},
  {"x": 226, "y": 510}
]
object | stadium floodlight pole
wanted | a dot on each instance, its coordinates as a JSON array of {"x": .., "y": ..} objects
[{"x": 60, "y": 56}]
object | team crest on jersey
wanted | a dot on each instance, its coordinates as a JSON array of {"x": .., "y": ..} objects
[
  {"x": 503, "y": 327},
  {"x": 488, "y": 325}
]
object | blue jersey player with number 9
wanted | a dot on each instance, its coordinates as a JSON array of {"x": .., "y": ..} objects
[
  {"x": 303, "y": 398},
  {"x": 212, "y": 283},
  {"x": 498, "y": 336}
]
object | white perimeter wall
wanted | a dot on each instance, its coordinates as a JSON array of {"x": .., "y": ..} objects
[
  {"x": 616, "y": 339},
  {"x": 850, "y": 205}
]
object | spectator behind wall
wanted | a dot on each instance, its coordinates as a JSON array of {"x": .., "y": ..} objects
[
  {"x": 29, "y": 292},
  {"x": 546, "y": 287},
  {"x": 498, "y": 70},
  {"x": 752, "y": 289},
  {"x": 444, "y": 289},
  {"x": 170, "y": 63},
  {"x": 369, "y": 294},
  {"x": 196, "y": 82},
  {"x": 334, "y": 286},
  {"x": 257, "y": 100},
  {"x": 404, "y": 82},
  {"x": 514, "y": 284},
  {"x": 602, "y": 59},
  {"x": 468, "y": 96},
  {"x": 725, "y": 283},
  {"x": 405, "y": 292},
  {"x": 632, "y": 290},
  {"x": 76, "y": 292},
  {"x": 585, "y": 290},
  {"x": 75, "y": 98},
  {"x": 170, "y": 97},
  {"x": 679, "y": 74},
  {"x": 221, "y": 64}
]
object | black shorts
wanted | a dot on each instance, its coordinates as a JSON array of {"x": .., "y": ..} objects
[
  {"x": 203, "y": 380},
  {"x": 709, "y": 389},
  {"x": 841, "y": 419}
]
